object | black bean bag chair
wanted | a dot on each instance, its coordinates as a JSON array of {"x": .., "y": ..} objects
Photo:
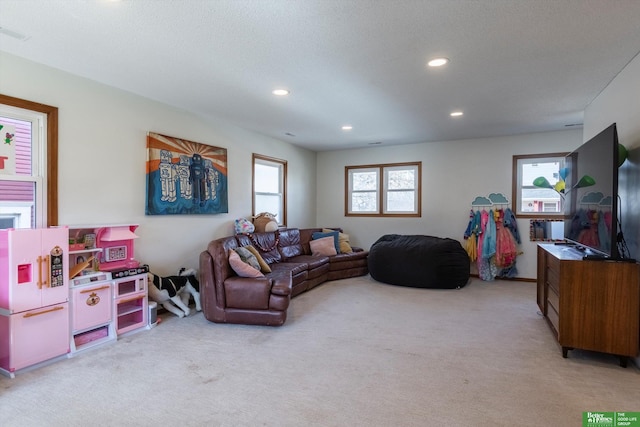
[{"x": 419, "y": 261}]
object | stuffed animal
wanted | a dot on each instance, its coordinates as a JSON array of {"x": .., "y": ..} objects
[
  {"x": 177, "y": 290},
  {"x": 265, "y": 221}
]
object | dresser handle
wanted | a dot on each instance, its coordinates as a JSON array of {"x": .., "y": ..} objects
[
  {"x": 95, "y": 289},
  {"x": 43, "y": 312},
  {"x": 47, "y": 273},
  {"x": 39, "y": 272}
]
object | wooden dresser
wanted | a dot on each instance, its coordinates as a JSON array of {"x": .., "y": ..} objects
[{"x": 590, "y": 304}]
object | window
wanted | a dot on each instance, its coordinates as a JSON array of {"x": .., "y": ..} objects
[
  {"x": 270, "y": 187},
  {"x": 544, "y": 199},
  {"x": 383, "y": 190},
  {"x": 28, "y": 173}
]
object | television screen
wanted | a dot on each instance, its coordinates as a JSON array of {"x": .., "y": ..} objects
[{"x": 590, "y": 195}]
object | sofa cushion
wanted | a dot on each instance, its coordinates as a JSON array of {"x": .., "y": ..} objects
[
  {"x": 321, "y": 235},
  {"x": 266, "y": 243},
  {"x": 343, "y": 241},
  {"x": 295, "y": 268},
  {"x": 324, "y": 246},
  {"x": 242, "y": 268},
  {"x": 248, "y": 257},
  {"x": 264, "y": 267},
  {"x": 348, "y": 261},
  {"x": 312, "y": 262},
  {"x": 289, "y": 244},
  {"x": 297, "y": 272}
]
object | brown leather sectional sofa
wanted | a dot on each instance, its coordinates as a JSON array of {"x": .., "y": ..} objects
[{"x": 228, "y": 298}]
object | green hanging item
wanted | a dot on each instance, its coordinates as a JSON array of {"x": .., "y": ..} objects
[
  {"x": 585, "y": 181},
  {"x": 541, "y": 182},
  {"x": 622, "y": 154}
]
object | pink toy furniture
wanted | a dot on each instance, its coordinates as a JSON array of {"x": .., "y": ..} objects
[{"x": 34, "y": 294}]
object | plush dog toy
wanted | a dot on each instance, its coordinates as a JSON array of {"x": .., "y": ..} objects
[{"x": 177, "y": 290}]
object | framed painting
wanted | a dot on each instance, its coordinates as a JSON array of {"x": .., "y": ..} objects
[{"x": 185, "y": 177}]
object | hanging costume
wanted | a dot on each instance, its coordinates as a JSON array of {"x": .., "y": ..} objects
[
  {"x": 589, "y": 233},
  {"x": 506, "y": 251},
  {"x": 511, "y": 223},
  {"x": 487, "y": 269},
  {"x": 491, "y": 240},
  {"x": 471, "y": 236}
]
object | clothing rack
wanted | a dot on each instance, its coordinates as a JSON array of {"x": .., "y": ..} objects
[
  {"x": 491, "y": 237},
  {"x": 493, "y": 199},
  {"x": 596, "y": 198}
]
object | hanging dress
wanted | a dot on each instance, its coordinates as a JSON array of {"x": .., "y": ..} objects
[
  {"x": 604, "y": 233},
  {"x": 589, "y": 235},
  {"x": 506, "y": 250},
  {"x": 484, "y": 218},
  {"x": 579, "y": 222},
  {"x": 511, "y": 223},
  {"x": 471, "y": 236},
  {"x": 487, "y": 269}
]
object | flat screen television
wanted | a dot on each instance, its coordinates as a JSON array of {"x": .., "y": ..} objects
[{"x": 591, "y": 196}]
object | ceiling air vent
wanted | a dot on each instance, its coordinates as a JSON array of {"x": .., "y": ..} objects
[{"x": 14, "y": 34}]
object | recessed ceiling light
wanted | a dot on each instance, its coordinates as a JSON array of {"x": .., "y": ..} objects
[
  {"x": 347, "y": 127},
  {"x": 280, "y": 92},
  {"x": 438, "y": 62},
  {"x": 456, "y": 113}
]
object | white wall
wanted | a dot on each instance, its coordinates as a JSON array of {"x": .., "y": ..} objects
[
  {"x": 619, "y": 102},
  {"x": 453, "y": 174},
  {"x": 102, "y": 154}
]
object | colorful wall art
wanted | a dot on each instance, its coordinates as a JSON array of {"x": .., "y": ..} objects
[{"x": 185, "y": 177}]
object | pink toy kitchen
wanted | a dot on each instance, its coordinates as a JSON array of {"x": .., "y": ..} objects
[{"x": 67, "y": 289}]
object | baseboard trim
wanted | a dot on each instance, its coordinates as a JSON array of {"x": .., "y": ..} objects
[{"x": 513, "y": 279}]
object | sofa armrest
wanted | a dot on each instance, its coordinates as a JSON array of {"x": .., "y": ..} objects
[
  {"x": 254, "y": 292},
  {"x": 247, "y": 292},
  {"x": 281, "y": 286}
]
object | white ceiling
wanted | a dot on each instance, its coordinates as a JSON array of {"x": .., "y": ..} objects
[{"x": 517, "y": 66}]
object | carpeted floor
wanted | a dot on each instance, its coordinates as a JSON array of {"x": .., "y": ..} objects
[{"x": 352, "y": 353}]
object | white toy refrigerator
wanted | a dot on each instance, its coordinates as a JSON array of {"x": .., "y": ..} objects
[{"x": 34, "y": 295}]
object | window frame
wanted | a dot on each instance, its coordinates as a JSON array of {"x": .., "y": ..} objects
[
  {"x": 282, "y": 166},
  {"x": 51, "y": 143},
  {"x": 382, "y": 191},
  {"x": 516, "y": 186}
]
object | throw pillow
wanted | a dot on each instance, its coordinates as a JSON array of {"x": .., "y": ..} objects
[
  {"x": 324, "y": 246},
  {"x": 264, "y": 267},
  {"x": 241, "y": 268},
  {"x": 247, "y": 256},
  {"x": 243, "y": 226},
  {"x": 334, "y": 234},
  {"x": 343, "y": 240}
]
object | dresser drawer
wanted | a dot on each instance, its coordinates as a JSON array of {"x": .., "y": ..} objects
[
  {"x": 553, "y": 279},
  {"x": 553, "y": 299},
  {"x": 554, "y": 319},
  {"x": 553, "y": 264}
]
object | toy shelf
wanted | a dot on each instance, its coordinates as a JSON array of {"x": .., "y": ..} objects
[
  {"x": 130, "y": 303},
  {"x": 92, "y": 337}
]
